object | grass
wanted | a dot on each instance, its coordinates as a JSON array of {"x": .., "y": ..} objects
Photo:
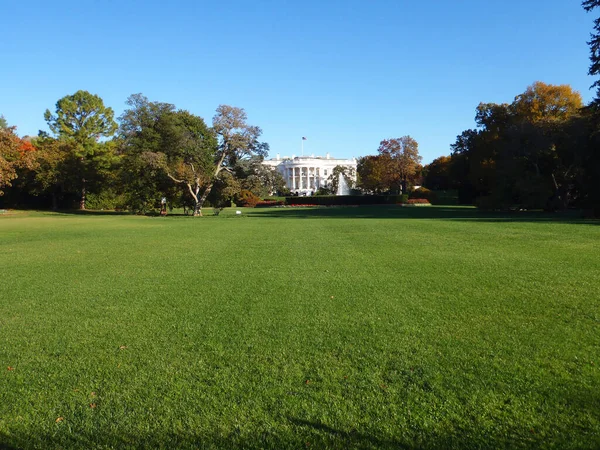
[{"x": 373, "y": 327}]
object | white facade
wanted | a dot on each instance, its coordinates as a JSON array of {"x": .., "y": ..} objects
[{"x": 304, "y": 175}]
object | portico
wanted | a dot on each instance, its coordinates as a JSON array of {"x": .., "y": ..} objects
[{"x": 304, "y": 175}]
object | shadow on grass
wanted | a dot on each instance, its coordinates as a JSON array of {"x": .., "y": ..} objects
[
  {"x": 299, "y": 434},
  {"x": 310, "y": 436},
  {"x": 457, "y": 213},
  {"x": 431, "y": 212},
  {"x": 90, "y": 212}
]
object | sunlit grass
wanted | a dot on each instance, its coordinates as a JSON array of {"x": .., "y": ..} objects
[{"x": 346, "y": 328}]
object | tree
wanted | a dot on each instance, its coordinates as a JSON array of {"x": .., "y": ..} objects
[
  {"x": 404, "y": 160},
  {"x": 189, "y": 147},
  {"x": 54, "y": 159},
  {"x": 338, "y": 173},
  {"x": 15, "y": 154},
  {"x": 83, "y": 119},
  {"x": 160, "y": 144},
  {"x": 591, "y": 167},
  {"x": 141, "y": 144},
  {"x": 236, "y": 141},
  {"x": 258, "y": 178},
  {"x": 522, "y": 153},
  {"x": 438, "y": 174},
  {"x": 547, "y": 103},
  {"x": 372, "y": 171},
  {"x": 594, "y": 44}
]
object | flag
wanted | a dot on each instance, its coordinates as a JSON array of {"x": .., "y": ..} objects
[{"x": 303, "y": 138}]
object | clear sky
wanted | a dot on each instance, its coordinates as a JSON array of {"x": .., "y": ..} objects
[{"x": 345, "y": 74}]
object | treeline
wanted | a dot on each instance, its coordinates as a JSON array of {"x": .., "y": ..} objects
[
  {"x": 538, "y": 152},
  {"x": 156, "y": 150}
]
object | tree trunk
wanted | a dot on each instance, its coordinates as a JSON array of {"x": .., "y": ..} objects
[
  {"x": 82, "y": 202},
  {"x": 54, "y": 202},
  {"x": 198, "y": 210}
]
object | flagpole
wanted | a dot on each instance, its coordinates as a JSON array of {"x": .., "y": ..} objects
[{"x": 302, "y": 141}]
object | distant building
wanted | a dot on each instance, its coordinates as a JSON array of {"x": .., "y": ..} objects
[{"x": 304, "y": 175}]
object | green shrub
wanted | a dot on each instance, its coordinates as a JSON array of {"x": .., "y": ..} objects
[
  {"x": 339, "y": 200},
  {"x": 449, "y": 197},
  {"x": 107, "y": 199}
]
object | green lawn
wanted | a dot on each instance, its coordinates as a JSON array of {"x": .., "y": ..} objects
[{"x": 372, "y": 327}]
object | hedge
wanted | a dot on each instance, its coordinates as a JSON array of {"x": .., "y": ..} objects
[{"x": 326, "y": 200}]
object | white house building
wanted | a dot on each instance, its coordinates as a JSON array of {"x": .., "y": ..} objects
[{"x": 304, "y": 175}]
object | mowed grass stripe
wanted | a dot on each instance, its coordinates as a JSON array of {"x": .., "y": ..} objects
[{"x": 273, "y": 331}]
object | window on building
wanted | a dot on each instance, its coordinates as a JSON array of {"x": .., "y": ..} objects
[{"x": 325, "y": 172}]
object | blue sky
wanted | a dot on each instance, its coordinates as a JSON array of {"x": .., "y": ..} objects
[{"x": 345, "y": 74}]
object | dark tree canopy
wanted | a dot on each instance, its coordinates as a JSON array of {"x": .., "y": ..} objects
[{"x": 523, "y": 153}]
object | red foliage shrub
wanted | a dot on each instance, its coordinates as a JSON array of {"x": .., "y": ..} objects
[
  {"x": 267, "y": 203},
  {"x": 247, "y": 198},
  {"x": 417, "y": 201}
]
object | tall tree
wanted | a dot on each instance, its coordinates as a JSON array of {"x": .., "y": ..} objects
[
  {"x": 83, "y": 119},
  {"x": 236, "y": 141},
  {"x": 591, "y": 165},
  {"x": 141, "y": 143},
  {"x": 189, "y": 148},
  {"x": 404, "y": 160},
  {"x": 594, "y": 44}
]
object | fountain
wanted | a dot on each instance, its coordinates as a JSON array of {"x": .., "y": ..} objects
[{"x": 343, "y": 188}]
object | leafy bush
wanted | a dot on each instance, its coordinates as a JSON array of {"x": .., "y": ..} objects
[
  {"x": 418, "y": 201},
  {"x": 107, "y": 199},
  {"x": 246, "y": 198},
  {"x": 422, "y": 192},
  {"x": 448, "y": 197}
]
